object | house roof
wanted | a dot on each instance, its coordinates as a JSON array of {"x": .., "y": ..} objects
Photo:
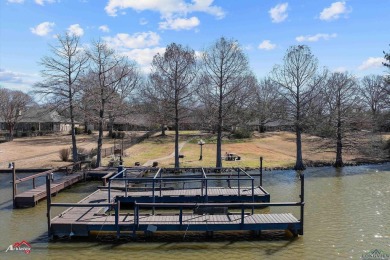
[{"x": 42, "y": 115}]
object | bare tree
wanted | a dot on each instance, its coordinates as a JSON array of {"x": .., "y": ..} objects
[
  {"x": 171, "y": 85},
  {"x": 62, "y": 72},
  {"x": 298, "y": 84},
  {"x": 268, "y": 105},
  {"x": 387, "y": 64},
  {"x": 13, "y": 103},
  {"x": 109, "y": 75},
  {"x": 341, "y": 99},
  {"x": 225, "y": 73},
  {"x": 373, "y": 93}
]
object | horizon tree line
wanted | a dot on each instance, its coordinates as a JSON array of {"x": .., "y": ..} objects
[{"x": 217, "y": 86}]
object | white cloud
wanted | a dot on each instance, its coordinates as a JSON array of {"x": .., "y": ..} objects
[
  {"x": 334, "y": 11},
  {"x": 76, "y": 29},
  {"x": 104, "y": 28},
  {"x": 143, "y": 57},
  {"x": 43, "y": 29},
  {"x": 372, "y": 62},
  {"x": 137, "y": 40},
  {"x": 315, "y": 38},
  {"x": 179, "y": 24},
  {"x": 12, "y": 77},
  {"x": 166, "y": 8},
  {"x": 267, "y": 45},
  {"x": 15, "y": 1},
  {"x": 42, "y": 2},
  {"x": 279, "y": 13}
]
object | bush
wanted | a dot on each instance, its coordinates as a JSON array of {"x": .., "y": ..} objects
[
  {"x": 118, "y": 135},
  {"x": 241, "y": 134},
  {"x": 64, "y": 154},
  {"x": 93, "y": 152},
  {"x": 89, "y": 132}
]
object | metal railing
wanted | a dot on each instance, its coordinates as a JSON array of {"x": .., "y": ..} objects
[{"x": 158, "y": 179}]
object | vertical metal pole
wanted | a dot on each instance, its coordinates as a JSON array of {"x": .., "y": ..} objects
[
  {"x": 302, "y": 176},
  {"x": 181, "y": 216},
  {"x": 109, "y": 191},
  {"x": 207, "y": 197},
  {"x": 160, "y": 182},
  {"x": 14, "y": 185},
  {"x": 239, "y": 193},
  {"x": 242, "y": 216},
  {"x": 48, "y": 204},
  {"x": 253, "y": 195},
  {"x": 261, "y": 171},
  {"x": 117, "y": 219},
  {"x": 153, "y": 195}
]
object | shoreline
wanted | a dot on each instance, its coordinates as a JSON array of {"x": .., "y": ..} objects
[{"x": 308, "y": 164}]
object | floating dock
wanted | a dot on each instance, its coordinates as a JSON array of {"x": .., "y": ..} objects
[{"x": 203, "y": 209}]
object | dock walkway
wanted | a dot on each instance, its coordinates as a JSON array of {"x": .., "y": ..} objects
[
  {"x": 84, "y": 221},
  {"x": 31, "y": 197}
]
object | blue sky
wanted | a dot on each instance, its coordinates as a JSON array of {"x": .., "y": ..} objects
[{"x": 344, "y": 35}]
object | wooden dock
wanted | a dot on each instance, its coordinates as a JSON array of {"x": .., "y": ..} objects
[
  {"x": 31, "y": 197},
  {"x": 92, "y": 216},
  {"x": 203, "y": 209}
]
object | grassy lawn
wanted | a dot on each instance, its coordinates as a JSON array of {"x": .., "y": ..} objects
[{"x": 277, "y": 149}]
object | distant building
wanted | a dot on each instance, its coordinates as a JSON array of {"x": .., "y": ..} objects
[{"x": 40, "y": 120}]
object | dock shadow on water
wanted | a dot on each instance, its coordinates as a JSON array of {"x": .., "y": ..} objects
[{"x": 347, "y": 215}]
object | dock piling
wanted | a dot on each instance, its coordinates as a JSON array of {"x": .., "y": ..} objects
[
  {"x": 261, "y": 171},
  {"x": 14, "y": 185},
  {"x": 48, "y": 203}
]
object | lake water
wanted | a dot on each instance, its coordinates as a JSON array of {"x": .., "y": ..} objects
[{"x": 347, "y": 214}]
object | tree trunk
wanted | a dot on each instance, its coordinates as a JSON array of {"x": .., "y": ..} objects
[
  {"x": 219, "y": 134},
  {"x": 339, "y": 144},
  {"x": 11, "y": 132},
  {"x": 74, "y": 143},
  {"x": 100, "y": 138},
  {"x": 163, "y": 130}
]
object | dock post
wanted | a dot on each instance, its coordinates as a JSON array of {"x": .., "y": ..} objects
[
  {"x": 109, "y": 191},
  {"x": 239, "y": 193},
  {"x": 117, "y": 219},
  {"x": 261, "y": 171},
  {"x": 302, "y": 177},
  {"x": 48, "y": 203},
  {"x": 14, "y": 185}
]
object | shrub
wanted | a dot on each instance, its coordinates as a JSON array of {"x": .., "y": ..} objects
[
  {"x": 93, "y": 152},
  {"x": 64, "y": 154},
  {"x": 89, "y": 132},
  {"x": 241, "y": 134},
  {"x": 118, "y": 135}
]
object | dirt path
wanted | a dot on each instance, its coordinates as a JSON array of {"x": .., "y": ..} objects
[{"x": 150, "y": 162}]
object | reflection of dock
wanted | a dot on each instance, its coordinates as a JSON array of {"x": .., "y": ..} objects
[{"x": 204, "y": 208}]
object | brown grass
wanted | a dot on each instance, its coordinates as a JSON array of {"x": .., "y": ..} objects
[{"x": 277, "y": 149}]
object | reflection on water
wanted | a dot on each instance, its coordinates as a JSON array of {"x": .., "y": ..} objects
[{"x": 347, "y": 213}]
